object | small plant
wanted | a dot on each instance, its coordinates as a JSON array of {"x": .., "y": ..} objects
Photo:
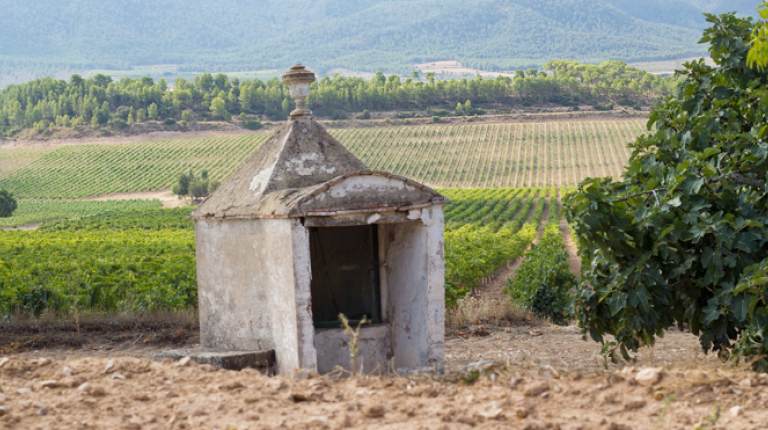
[{"x": 354, "y": 336}]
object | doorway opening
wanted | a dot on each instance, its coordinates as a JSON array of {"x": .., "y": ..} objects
[{"x": 345, "y": 274}]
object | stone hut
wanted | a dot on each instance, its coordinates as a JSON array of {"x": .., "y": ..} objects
[{"x": 303, "y": 232}]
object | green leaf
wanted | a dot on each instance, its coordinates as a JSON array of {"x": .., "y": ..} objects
[
  {"x": 740, "y": 308},
  {"x": 617, "y": 302}
]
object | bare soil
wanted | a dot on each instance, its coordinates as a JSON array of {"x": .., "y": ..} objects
[
  {"x": 24, "y": 227},
  {"x": 166, "y": 197},
  {"x": 526, "y": 377}
]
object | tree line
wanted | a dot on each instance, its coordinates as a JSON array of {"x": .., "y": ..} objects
[{"x": 100, "y": 101}]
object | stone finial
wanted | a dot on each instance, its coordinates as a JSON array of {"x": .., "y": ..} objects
[{"x": 298, "y": 80}]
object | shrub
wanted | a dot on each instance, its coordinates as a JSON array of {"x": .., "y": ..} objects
[
  {"x": 602, "y": 107},
  {"x": 543, "y": 282},
  {"x": 8, "y": 204},
  {"x": 251, "y": 124},
  {"x": 364, "y": 115},
  {"x": 191, "y": 185}
]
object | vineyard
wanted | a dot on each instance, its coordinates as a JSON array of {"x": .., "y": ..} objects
[
  {"x": 33, "y": 211},
  {"x": 139, "y": 259},
  {"x": 548, "y": 154}
]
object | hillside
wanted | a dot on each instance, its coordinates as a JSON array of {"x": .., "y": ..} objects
[{"x": 50, "y": 36}]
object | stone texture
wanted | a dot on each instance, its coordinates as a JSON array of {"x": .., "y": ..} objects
[{"x": 263, "y": 361}]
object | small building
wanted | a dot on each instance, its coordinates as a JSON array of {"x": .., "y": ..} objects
[{"x": 303, "y": 232}]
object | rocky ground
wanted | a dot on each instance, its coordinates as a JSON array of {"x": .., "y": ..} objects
[{"x": 526, "y": 377}]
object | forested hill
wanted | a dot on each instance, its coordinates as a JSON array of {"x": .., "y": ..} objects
[{"x": 49, "y": 36}]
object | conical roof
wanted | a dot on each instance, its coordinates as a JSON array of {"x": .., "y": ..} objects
[{"x": 300, "y": 156}]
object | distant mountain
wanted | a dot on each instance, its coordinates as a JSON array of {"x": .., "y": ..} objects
[{"x": 47, "y": 36}]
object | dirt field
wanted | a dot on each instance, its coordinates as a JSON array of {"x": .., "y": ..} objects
[{"x": 522, "y": 377}]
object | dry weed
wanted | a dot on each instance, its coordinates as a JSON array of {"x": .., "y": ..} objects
[{"x": 472, "y": 311}]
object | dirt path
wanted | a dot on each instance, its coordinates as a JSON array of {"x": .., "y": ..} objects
[
  {"x": 25, "y": 227},
  {"x": 116, "y": 140},
  {"x": 495, "y": 289},
  {"x": 574, "y": 261},
  {"x": 167, "y": 198}
]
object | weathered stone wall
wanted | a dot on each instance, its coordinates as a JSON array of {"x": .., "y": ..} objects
[
  {"x": 247, "y": 291},
  {"x": 414, "y": 267}
]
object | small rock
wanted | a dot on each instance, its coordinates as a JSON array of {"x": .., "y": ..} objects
[
  {"x": 42, "y": 411},
  {"x": 2, "y": 410},
  {"x": 658, "y": 395},
  {"x": 98, "y": 390},
  {"x": 24, "y": 390},
  {"x": 67, "y": 371},
  {"x": 141, "y": 397},
  {"x": 494, "y": 412},
  {"x": 522, "y": 412},
  {"x": 207, "y": 368},
  {"x": 51, "y": 383},
  {"x": 110, "y": 367},
  {"x": 304, "y": 374},
  {"x": 184, "y": 361},
  {"x": 232, "y": 385},
  {"x": 635, "y": 403},
  {"x": 376, "y": 411},
  {"x": 746, "y": 383},
  {"x": 735, "y": 411},
  {"x": 43, "y": 361},
  {"x": 117, "y": 376},
  {"x": 649, "y": 376},
  {"x": 4, "y": 361},
  {"x": 86, "y": 387},
  {"x": 466, "y": 419},
  {"x": 535, "y": 332},
  {"x": 536, "y": 389},
  {"x": 71, "y": 382},
  {"x": 299, "y": 397},
  {"x": 696, "y": 375},
  {"x": 171, "y": 394}
]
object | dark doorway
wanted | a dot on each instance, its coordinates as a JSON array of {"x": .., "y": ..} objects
[{"x": 345, "y": 274}]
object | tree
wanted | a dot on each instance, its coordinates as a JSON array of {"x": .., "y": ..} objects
[
  {"x": 152, "y": 111},
  {"x": 219, "y": 108},
  {"x": 8, "y": 203},
  {"x": 141, "y": 115},
  {"x": 758, "y": 55},
  {"x": 186, "y": 116},
  {"x": 188, "y": 184},
  {"x": 682, "y": 239},
  {"x": 181, "y": 188}
]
